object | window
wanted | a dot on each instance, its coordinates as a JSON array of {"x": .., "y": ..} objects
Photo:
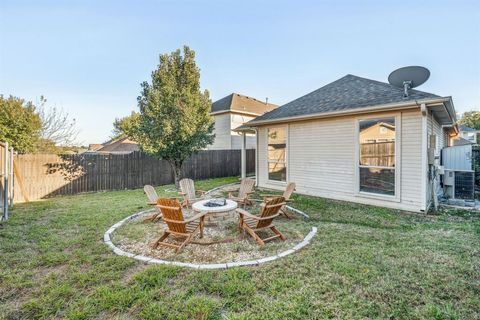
[
  {"x": 377, "y": 156},
  {"x": 277, "y": 146}
]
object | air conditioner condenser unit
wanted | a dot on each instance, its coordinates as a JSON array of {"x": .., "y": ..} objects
[{"x": 459, "y": 184}]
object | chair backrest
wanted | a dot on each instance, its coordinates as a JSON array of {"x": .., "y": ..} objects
[
  {"x": 151, "y": 193},
  {"x": 270, "y": 209},
  {"x": 188, "y": 187},
  {"x": 246, "y": 186},
  {"x": 289, "y": 190},
  {"x": 172, "y": 214}
]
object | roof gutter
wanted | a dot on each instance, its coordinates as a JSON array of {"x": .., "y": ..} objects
[
  {"x": 384, "y": 107},
  {"x": 450, "y": 110}
]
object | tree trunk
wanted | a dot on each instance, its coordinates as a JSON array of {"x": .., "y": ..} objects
[{"x": 177, "y": 172}]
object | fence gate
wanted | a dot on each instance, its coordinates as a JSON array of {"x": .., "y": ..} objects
[{"x": 6, "y": 180}]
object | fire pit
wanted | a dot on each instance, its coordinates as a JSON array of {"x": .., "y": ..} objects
[{"x": 217, "y": 210}]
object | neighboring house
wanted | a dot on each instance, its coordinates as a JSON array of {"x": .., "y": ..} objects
[
  {"x": 356, "y": 140},
  {"x": 231, "y": 112},
  {"x": 468, "y": 133},
  {"x": 94, "y": 147},
  {"x": 122, "y": 145},
  {"x": 459, "y": 141}
]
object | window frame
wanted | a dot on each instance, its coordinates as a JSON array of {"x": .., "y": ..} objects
[
  {"x": 398, "y": 124},
  {"x": 284, "y": 127}
]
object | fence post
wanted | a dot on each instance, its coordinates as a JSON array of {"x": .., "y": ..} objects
[
  {"x": 5, "y": 184},
  {"x": 12, "y": 178}
]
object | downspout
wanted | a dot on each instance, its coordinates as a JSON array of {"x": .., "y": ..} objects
[{"x": 424, "y": 155}]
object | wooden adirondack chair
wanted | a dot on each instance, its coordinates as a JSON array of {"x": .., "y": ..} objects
[
  {"x": 286, "y": 194},
  {"x": 152, "y": 200},
  {"x": 151, "y": 194},
  {"x": 252, "y": 224},
  {"x": 177, "y": 226},
  {"x": 244, "y": 192},
  {"x": 189, "y": 194}
]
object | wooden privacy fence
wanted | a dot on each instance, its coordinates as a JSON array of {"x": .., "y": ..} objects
[
  {"x": 381, "y": 154},
  {"x": 46, "y": 175}
]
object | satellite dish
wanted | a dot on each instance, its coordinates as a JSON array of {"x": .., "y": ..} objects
[{"x": 409, "y": 77}]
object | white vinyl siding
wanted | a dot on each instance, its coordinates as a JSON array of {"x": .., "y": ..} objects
[
  {"x": 322, "y": 156},
  {"x": 411, "y": 159},
  {"x": 434, "y": 128},
  {"x": 222, "y": 132},
  {"x": 225, "y": 137},
  {"x": 236, "y": 121},
  {"x": 322, "y": 159}
]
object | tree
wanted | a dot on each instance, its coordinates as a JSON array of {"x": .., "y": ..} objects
[
  {"x": 20, "y": 125},
  {"x": 174, "y": 120},
  {"x": 57, "y": 127},
  {"x": 124, "y": 126},
  {"x": 471, "y": 119}
]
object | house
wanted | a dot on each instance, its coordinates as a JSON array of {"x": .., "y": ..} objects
[
  {"x": 92, "y": 147},
  {"x": 459, "y": 141},
  {"x": 468, "y": 133},
  {"x": 122, "y": 145},
  {"x": 357, "y": 140},
  {"x": 231, "y": 112}
]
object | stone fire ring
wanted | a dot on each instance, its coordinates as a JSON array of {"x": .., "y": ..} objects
[{"x": 120, "y": 252}]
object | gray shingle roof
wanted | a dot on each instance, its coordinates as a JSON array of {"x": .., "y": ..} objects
[
  {"x": 222, "y": 104},
  {"x": 349, "y": 92},
  {"x": 463, "y": 127},
  {"x": 241, "y": 103},
  {"x": 459, "y": 141}
]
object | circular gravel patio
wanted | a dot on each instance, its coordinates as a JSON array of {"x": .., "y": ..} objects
[{"x": 131, "y": 238}]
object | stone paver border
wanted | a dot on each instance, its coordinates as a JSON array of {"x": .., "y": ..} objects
[{"x": 120, "y": 252}]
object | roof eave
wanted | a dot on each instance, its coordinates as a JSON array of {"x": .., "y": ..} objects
[
  {"x": 235, "y": 111},
  {"x": 362, "y": 110}
]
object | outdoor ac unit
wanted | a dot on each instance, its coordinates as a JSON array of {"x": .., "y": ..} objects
[
  {"x": 459, "y": 184},
  {"x": 464, "y": 185}
]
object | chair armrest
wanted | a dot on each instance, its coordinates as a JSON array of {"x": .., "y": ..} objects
[
  {"x": 152, "y": 203},
  {"x": 243, "y": 212},
  {"x": 182, "y": 193},
  {"x": 270, "y": 195},
  {"x": 196, "y": 217},
  {"x": 250, "y": 192},
  {"x": 248, "y": 214},
  {"x": 201, "y": 192}
]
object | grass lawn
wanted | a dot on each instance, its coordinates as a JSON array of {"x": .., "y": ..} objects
[{"x": 364, "y": 262}]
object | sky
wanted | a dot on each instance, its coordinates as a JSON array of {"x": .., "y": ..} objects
[{"x": 89, "y": 57}]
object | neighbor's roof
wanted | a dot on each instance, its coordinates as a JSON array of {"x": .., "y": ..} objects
[
  {"x": 464, "y": 128},
  {"x": 349, "y": 92},
  {"x": 240, "y": 103},
  {"x": 122, "y": 145},
  {"x": 459, "y": 141}
]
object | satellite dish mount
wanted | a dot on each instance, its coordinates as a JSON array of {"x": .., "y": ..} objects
[
  {"x": 406, "y": 86},
  {"x": 408, "y": 78}
]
